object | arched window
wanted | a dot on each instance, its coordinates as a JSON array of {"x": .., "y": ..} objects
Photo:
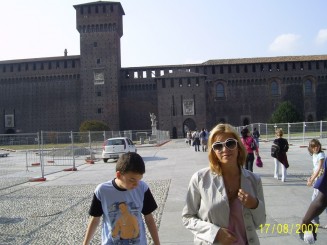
[
  {"x": 220, "y": 90},
  {"x": 308, "y": 87},
  {"x": 274, "y": 88}
]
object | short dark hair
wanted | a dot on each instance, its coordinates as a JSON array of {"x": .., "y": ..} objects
[
  {"x": 130, "y": 162},
  {"x": 245, "y": 132}
]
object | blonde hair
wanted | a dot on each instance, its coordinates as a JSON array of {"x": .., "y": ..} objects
[
  {"x": 279, "y": 132},
  {"x": 219, "y": 129}
]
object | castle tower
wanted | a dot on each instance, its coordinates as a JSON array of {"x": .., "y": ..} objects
[{"x": 100, "y": 25}]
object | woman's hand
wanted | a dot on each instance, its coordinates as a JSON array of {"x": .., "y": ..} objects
[
  {"x": 247, "y": 200},
  {"x": 225, "y": 236}
]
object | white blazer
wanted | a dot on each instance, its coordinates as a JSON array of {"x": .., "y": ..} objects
[{"x": 207, "y": 206}]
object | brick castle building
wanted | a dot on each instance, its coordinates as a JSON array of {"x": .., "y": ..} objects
[{"x": 59, "y": 93}]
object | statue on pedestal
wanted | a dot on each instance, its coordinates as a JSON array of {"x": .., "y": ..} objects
[{"x": 153, "y": 123}]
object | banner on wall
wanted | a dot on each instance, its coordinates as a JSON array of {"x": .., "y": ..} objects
[
  {"x": 9, "y": 121},
  {"x": 188, "y": 107}
]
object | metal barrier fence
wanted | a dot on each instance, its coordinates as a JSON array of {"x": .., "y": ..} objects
[
  {"x": 301, "y": 132},
  {"x": 26, "y": 157}
]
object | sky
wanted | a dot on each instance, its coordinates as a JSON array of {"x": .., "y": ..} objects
[{"x": 172, "y": 32}]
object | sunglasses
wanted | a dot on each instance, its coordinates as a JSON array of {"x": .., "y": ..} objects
[{"x": 230, "y": 144}]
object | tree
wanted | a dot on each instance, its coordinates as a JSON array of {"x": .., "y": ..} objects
[
  {"x": 93, "y": 125},
  {"x": 285, "y": 113}
]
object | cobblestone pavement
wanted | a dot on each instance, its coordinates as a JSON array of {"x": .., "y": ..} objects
[{"x": 55, "y": 214}]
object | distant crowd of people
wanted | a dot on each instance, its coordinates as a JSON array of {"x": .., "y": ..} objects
[{"x": 198, "y": 138}]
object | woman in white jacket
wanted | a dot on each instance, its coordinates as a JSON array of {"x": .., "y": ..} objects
[{"x": 225, "y": 202}]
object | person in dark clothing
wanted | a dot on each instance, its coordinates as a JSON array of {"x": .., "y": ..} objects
[
  {"x": 256, "y": 136},
  {"x": 281, "y": 157}
]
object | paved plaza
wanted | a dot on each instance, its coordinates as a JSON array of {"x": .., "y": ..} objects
[{"x": 55, "y": 211}]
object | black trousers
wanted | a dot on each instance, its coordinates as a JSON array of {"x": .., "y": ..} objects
[{"x": 249, "y": 162}]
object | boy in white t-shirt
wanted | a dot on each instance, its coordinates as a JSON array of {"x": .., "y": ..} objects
[{"x": 121, "y": 203}]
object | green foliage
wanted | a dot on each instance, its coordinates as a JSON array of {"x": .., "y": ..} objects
[
  {"x": 285, "y": 113},
  {"x": 93, "y": 125}
]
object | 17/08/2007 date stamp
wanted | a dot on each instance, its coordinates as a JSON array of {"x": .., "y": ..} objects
[{"x": 287, "y": 228}]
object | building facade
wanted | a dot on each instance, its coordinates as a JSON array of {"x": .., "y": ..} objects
[{"x": 59, "y": 93}]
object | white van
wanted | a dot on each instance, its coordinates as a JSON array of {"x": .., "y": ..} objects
[{"x": 113, "y": 148}]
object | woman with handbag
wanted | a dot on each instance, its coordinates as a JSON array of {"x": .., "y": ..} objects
[{"x": 251, "y": 148}]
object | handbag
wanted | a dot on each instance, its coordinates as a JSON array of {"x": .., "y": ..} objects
[{"x": 259, "y": 162}]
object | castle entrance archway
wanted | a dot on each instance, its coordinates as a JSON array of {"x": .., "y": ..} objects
[{"x": 188, "y": 124}]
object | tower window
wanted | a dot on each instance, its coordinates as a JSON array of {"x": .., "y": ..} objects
[
  {"x": 220, "y": 91},
  {"x": 98, "y": 61},
  {"x": 274, "y": 88},
  {"x": 308, "y": 87},
  {"x": 95, "y": 44},
  {"x": 221, "y": 70},
  {"x": 104, "y": 10},
  {"x": 317, "y": 65},
  {"x": 213, "y": 70}
]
